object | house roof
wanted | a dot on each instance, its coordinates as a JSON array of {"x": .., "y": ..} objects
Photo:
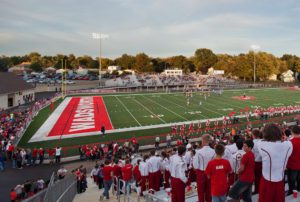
[{"x": 10, "y": 83}]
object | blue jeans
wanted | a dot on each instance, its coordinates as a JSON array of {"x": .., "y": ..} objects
[
  {"x": 107, "y": 185},
  {"x": 1, "y": 166},
  {"x": 14, "y": 163},
  {"x": 218, "y": 198}
]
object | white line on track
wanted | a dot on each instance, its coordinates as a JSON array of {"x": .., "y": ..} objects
[
  {"x": 149, "y": 110},
  {"x": 166, "y": 108},
  {"x": 107, "y": 113},
  {"x": 128, "y": 110}
]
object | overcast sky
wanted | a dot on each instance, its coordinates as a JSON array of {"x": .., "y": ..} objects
[{"x": 159, "y": 28}]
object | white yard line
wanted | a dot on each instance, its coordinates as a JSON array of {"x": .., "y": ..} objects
[
  {"x": 107, "y": 113},
  {"x": 166, "y": 109},
  {"x": 149, "y": 110},
  {"x": 182, "y": 107},
  {"x": 128, "y": 110},
  {"x": 47, "y": 126}
]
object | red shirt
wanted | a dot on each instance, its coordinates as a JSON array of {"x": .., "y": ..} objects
[
  {"x": 51, "y": 152},
  {"x": 10, "y": 148},
  {"x": 34, "y": 152},
  {"x": 137, "y": 174},
  {"x": 107, "y": 169},
  {"x": 293, "y": 162},
  {"x": 248, "y": 160},
  {"x": 218, "y": 170},
  {"x": 127, "y": 172},
  {"x": 117, "y": 171},
  {"x": 133, "y": 141}
]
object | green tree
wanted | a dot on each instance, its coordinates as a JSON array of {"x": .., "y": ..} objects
[
  {"x": 36, "y": 66},
  {"x": 105, "y": 62},
  {"x": 125, "y": 61},
  {"x": 204, "y": 59},
  {"x": 143, "y": 63}
]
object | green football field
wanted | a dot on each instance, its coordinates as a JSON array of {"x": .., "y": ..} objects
[{"x": 136, "y": 112}]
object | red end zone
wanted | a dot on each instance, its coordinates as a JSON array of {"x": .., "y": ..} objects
[{"x": 82, "y": 115}]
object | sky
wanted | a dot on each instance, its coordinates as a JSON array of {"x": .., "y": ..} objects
[{"x": 159, "y": 28}]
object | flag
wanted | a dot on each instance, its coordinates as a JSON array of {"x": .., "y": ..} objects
[{"x": 191, "y": 128}]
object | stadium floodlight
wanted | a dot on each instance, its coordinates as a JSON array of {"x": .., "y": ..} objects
[
  {"x": 255, "y": 48},
  {"x": 100, "y": 36}
]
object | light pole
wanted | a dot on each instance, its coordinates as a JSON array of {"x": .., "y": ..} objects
[
  {"x": 254, "y": 48},
  {"x": 99, "y": 36}
]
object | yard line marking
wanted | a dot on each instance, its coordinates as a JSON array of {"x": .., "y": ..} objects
[
  {"x": 166, "y": 108},
  {"x": 205, "y": 108},
  {"x": 149, "y": 110},
  {"x": 128, "y": 111},
  {"x": 182, "y": 106}
]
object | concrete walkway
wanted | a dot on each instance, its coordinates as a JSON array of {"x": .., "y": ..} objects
[{"x": 93, "y": 193}]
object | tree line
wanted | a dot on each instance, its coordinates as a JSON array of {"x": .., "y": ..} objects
[{"x": 238, "y": 66}]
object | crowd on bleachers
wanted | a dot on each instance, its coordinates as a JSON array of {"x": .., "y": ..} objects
[{"x": 148, "y": 79}]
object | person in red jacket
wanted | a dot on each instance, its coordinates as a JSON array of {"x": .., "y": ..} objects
[
  {"x": 293, "y": 164},
  {"x": 107, "y": 179},
  {"x": 127, "y": 174}
]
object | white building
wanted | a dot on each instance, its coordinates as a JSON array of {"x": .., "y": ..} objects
[
  {"x": 14, "y": 91},
  {"x": 287, "y": 76},
  {"x": 112, "y": 68},
  {"x": 173, "y": 72}
]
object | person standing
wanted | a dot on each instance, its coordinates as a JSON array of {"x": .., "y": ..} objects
[
  {"x": 57, "y": 154},
  {"x": 293, "y": 165},
  {"x": 243, "y": 186},
  {"x": 127, "y": 175},
  {"x": 154, "y": 164},
  {"x": 257, "y": 136},
  {"x": 107, "y": 179},
  {"x": 275, "y": 154},
  {"x": 144, "y": 169},
  {"x": 178, "y": 168},
  {"x": 103, "y": 130},
  {"x": 218, "y": 170},
  {"x": 200, "y": 161}
]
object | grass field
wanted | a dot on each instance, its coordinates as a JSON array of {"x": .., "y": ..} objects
[
  {"x": 139, "y": 110},
  {"x": 152, "y": 109}
]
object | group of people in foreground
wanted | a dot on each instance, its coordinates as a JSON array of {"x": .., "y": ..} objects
[{"x": 222, "y": 172}]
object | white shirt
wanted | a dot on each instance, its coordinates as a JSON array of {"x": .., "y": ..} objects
[
  {"x": 255, "y": 150},
  {"x": 232, "y": 148},
  {"x": 178, "y": 168},
  {"x": 237, "y": 157},
  {"x": 154, "y": 163},
  {"x": 57, "y": 151},
  {"x": 165, "y": 164},
  {"x": 187, "y": 157},
  {"x": 143, "y": 167},
  {"x": 274, "y": 158},
  {"x": 228, "y": 156},
  {"x": 202, "y": 157}
]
